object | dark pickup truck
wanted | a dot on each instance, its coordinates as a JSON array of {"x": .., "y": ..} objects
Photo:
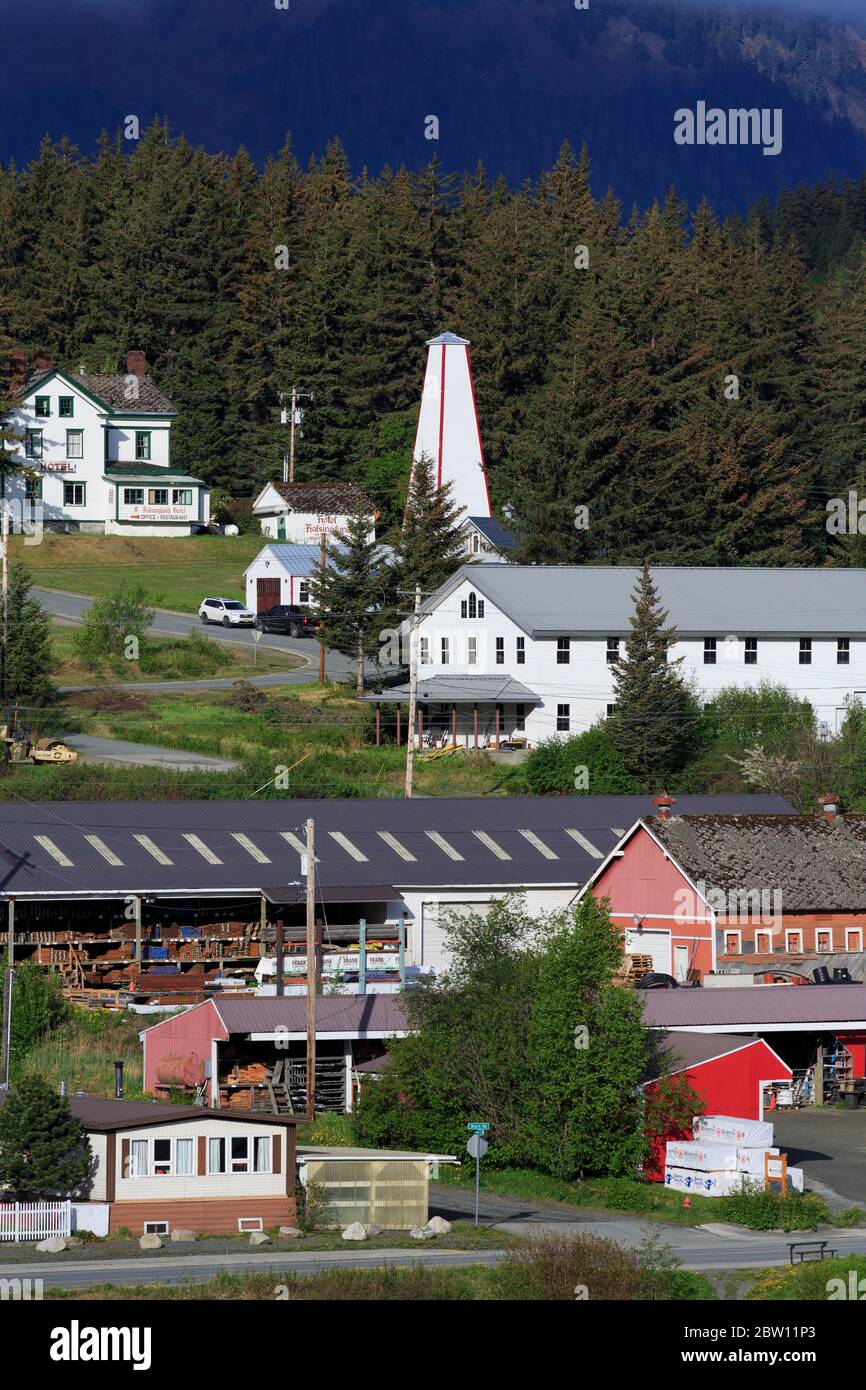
[{"x": 288, "y": 618}]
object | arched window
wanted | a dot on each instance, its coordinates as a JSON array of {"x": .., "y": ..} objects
[{"x": 473, "y": 606}]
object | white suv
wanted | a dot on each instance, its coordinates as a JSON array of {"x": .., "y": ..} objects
[{"x": 226, "y": 611}]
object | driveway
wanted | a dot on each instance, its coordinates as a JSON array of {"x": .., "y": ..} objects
[
  {"x": 118, "y": 750},
  {"x": 830, "y": 1147}
]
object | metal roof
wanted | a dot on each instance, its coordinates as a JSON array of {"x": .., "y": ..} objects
[
  {"x": 338, "y": 1014},
  {"x": 457, "y": 690},
  {"x": 448, "y": 340},
  {"x": 101, "y": 1114},
  {"x": 596, "y": 600},
  {"x": 492, "y": 531},
  {"x": 307, "y": 559},
  {"x": 758, "y": 1006},
  {"x": 214, "y": 848}
]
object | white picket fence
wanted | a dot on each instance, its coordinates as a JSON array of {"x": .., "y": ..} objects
[{"x": 34, "y": 1220}]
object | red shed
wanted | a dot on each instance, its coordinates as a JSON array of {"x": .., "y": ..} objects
[{"x": 729, "y": 1073}]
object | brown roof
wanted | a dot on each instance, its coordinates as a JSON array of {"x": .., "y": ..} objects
[
  {"x": 332, "y": 498},
  {"x": 817, "y": 864},
  {"x": 759, "y": 1007},
  {"x": 338, "y": 1014},
  {"x": 111, "y": 388},
  {"x": 101, "y": 1115}
]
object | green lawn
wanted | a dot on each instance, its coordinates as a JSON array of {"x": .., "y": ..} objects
[{"x": 177, "y": 573}]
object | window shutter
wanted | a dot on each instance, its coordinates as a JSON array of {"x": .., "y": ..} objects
[
  {"x": 124, "y": 1158},
  {"x": 276, "y": 1155},
  {"x": 202, "y": 1155}
]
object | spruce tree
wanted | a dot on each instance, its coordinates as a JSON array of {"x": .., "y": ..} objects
[
  {"x": 44, "y": 1150},
  {"x": 29, "y": 655},
  {"x": 430, "y": 547},
  {"x": 652, "y": 724},
  {"x": 355, "y": 595}
]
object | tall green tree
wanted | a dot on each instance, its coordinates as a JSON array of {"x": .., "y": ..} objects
[
  {"x": 44, "y": 1150},
  {"x": 29, "y": 656},
  {"x": 655, "y": 718},
  {"x": 587, "y": 1053},
  {"x": 354, "y": 592},
  {"x": 430, "y": 547}
]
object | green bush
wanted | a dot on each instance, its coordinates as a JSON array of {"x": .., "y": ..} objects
[
  {"x": 763, "y": 1210},
  {"x": 553, "y": 768}
]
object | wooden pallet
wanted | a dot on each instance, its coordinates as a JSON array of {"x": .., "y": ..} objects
[{"x": 634, "y": 967}]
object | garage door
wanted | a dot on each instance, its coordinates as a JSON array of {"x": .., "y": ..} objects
[
  {"x": 650, "y": 943},
  {"x": 267, "y": 594}
]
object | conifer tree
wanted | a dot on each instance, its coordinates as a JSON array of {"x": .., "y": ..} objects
[
  {"x": 24, "y": 675},
  {"x": 354, "y": 593},
  {"x": 654, "y": 716},
  {"x": 43, "y": 1147},
  {"x": 430, "y": 547}
]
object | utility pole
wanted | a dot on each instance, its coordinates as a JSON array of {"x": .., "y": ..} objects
[
  {"x": 322, "y": 561},
  {"x": 289, "y": 459},
  {"x": 4, "y": 544},
  {"x": 312, "y": 971},
  {"x": 413, "y": 691},
  {"x": 9, "y": 984}
]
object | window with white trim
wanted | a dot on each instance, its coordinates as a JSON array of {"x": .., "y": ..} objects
[
  {"x": 710, "y": 651},
  {"x": 563, "y": 718},
  {"x": 183, "y": 1158},
  {"x": 520, "y": 652},
  {"x": 445, "y": 651},
  {"x": 240, "y": 1153},
  {"x": 843, "y": 651},
  {"x": 612, "y": 653},
  {"x": 823, "y": 940},
  {"x": 262, "y": 1158},
  {"x": 732, "y": 943},
  {"x": 500, "y": 651},
  {"x": 762, "y": 943},
  {"x": 750, "y": 652},
  {"x": 794, "y": 942},
  {"x": 161, "y": 1156},
  {"x": 425, "y": 651},
  {"x": 138, "y": 1158},
  {"x": 472, "y": 651},
  {"x": 563, "y": 651},
  {"x": 805, "y": 651},
  {"x": 854, "y": 939}
]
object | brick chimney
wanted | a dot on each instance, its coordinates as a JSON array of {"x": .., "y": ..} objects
[
  {"x": 663, "y": 806},
  {"x": 42, "y": 360},
  {"x": 136, "y": 363},
  {"x": 829, "y": 804}
]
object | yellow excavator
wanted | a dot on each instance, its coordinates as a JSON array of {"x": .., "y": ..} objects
[{"x": 19, "y": 747}]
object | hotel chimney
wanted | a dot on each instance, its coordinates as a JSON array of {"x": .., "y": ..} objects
[{"x": 663, "y": 806}]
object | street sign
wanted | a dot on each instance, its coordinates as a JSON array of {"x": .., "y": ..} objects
[
  {"x": 257, "y": 634},
  {"x": 478, "y": 1126},
  {"x": 477, "y": 1147}
]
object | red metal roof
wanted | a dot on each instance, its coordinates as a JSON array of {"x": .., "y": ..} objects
[
  {"x": 760, "y": 1006},
  {"x": 338, "y": 1014}
]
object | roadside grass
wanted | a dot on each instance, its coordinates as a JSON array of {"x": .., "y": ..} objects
[
  {"x": 462, "y": 1236},
  {"x": 758, "y": 1210},
  {"x": 180, "y": 571},
  {"x": 82, "y": 1052},
  {"x": 558, "y": 1267},
  {"x": 789, "y": 1283},
  {"x": 196, "y": 657},
  {"x": 277, "y": 727},
  {"x": 332, "y": 1129}
]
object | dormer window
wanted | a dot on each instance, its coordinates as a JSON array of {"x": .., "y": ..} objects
[{"x": 473, "y": 607}]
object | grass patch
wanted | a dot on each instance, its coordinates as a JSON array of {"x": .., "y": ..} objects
[
  {"x": 335, "y": 1130},
  {"x": 181, "y": 571},
  {"x": 605, "y": 1194},
  {"x": 196, "y": 657},
  {"x": 789, "y": 1283},
  {"x": 82, "y": 1052}
]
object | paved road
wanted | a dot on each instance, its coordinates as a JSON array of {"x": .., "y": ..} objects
[
  {"x": 177, "y": 1269},
  {"x": 117, "y": 750},
  {"x": 707, "y": 1248},
  {"x": 830, "y": 1147},
  {"x": 166, "y": 623}
]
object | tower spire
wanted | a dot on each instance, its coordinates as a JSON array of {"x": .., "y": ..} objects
[{"x": 448, "y": 430}]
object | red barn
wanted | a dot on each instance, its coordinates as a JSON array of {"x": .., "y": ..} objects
[
  {"x": 738, "y": 892},
  {"x": 727, "y": 1072}
]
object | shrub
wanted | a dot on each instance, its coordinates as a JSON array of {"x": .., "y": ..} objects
[
  {"x": 552, "y": 767},
  {"x": 312, "y": 1208},
  {"x": 764, "y": 1210}
]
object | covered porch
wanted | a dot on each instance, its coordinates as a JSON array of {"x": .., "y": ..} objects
[{"x": 456, "y": 712}]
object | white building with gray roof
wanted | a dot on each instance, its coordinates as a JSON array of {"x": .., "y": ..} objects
[{"x": 530, "y": 650}]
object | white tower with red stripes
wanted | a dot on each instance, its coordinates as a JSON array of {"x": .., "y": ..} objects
[{"x": 448, "y": 430}]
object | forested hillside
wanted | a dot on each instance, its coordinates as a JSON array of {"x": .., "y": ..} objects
[{"x": 601, "y": 386}]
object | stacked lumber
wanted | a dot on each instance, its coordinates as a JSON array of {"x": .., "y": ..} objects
[{"x": 633, "y": 968}]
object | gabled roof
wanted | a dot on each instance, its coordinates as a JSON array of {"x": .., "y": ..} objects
[
  {"x": 331, "y": 498},
  {"x": 305, "y": 560},
  {"x": 112, "y": 388},
  {"x": 108, "y": 389},
  {"x": 596, "y": 600},
  {"x": 213, "y": 848},
  {"x": 492, "y": 531},
  {"x": 676, "y": 1052},
  {"x": 815, "y": 863}
]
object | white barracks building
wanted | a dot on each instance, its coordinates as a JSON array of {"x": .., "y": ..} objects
[
  {"x": 96, "y": 452},
  {"x": 531, "y": 649}
]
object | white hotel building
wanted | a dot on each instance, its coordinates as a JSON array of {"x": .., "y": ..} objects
[
  {"x": 531, "y": 650},
  {"x": 95, "y": 450}
]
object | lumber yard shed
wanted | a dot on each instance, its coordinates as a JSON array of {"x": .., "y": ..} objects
[
  {"x": 170, "y": 902},
  {"x": 819, "y": 1031},
  {"x": 732, "y": 1075},
  {"x": 382, "y": 1187},
  {"x": 249, "y": 1054}
]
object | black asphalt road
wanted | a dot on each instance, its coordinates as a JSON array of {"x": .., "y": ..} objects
[{"x": 829, "y": 1145}]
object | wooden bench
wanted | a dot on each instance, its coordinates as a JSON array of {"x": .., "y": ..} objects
[{"x": 800, "y": 1250}]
